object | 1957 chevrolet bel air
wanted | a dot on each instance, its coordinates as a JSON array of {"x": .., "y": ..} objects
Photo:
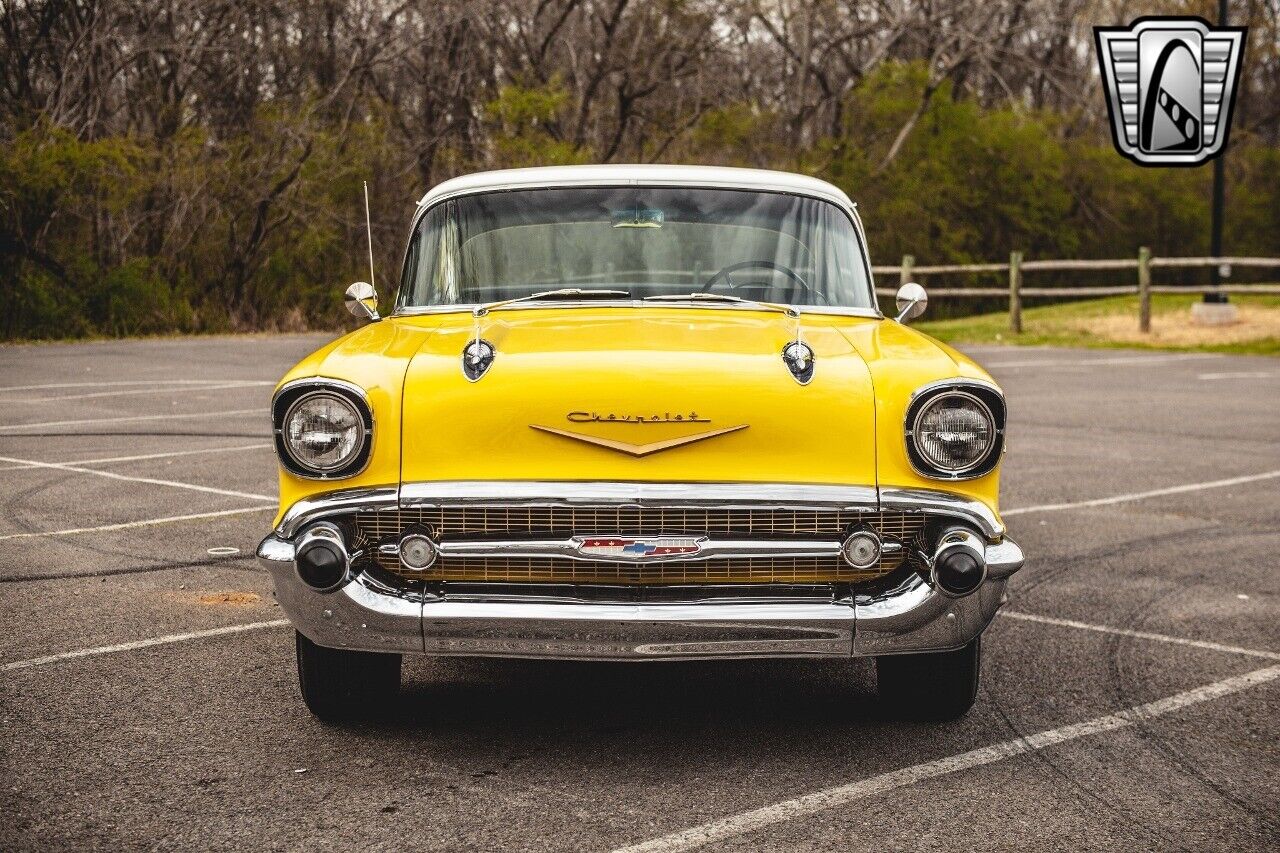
[{"x": 638, "y": 413}]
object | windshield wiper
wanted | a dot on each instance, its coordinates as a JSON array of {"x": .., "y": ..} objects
[
  {"x": 562, "y": 293},
  {"x": 700, "y": 296}
]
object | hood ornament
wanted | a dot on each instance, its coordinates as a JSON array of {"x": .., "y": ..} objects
[
  {"x": 799, "y": 359},
  {"x": 477, "y": 358},
  {"x": 478, "y": 354},
  {"x": 796, "y": 354}
]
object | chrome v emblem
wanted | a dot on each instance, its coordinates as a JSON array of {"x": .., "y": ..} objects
[{"x": 639, "y": 449}]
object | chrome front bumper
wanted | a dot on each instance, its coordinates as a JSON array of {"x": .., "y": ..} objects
[{"x": 368, "y": 615}]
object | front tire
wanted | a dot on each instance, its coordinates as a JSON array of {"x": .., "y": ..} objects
[
  {"x": 935, "y": 686},
  {"x": 340, "y": 685}
]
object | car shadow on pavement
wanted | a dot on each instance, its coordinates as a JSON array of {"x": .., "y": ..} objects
[{"x": 576, "y": 709}]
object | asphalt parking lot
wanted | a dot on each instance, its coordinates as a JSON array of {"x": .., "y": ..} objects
[{"x": 148, "y": 696}]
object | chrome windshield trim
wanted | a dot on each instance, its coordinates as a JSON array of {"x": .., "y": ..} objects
[
  {"x": 571, "y": 549},
  {"x": 571, "y": 493},
  {"x": 944, "y": 503},
  {"x": 866, "y": 260},
  {"x": 335, "y": 503},
  {"x": 808, "y": 310}
]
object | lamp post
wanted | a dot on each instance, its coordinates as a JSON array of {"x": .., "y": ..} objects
[
  {"x": 1215, "y": 308},
  {"x": 1219, "y": 200}
]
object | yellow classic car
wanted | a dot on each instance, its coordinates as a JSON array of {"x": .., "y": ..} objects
[{"x": 638, "y": 413}]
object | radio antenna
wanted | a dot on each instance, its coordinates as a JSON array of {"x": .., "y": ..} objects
[{"x": 368, "y": 228}]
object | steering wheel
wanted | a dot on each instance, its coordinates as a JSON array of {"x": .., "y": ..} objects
[{"x": 743, "y": 265}]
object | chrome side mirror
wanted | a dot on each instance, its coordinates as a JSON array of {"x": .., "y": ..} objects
[
  {"x": 362, "y": 300},
  {"x": 912, "y": 300}
]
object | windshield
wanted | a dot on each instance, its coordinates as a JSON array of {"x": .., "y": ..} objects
[{"x": 644, "y": 241}]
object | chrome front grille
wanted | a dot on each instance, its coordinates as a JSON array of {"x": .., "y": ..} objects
[
  {"x": 737, "y": 570},
  {"x": 461, "y": 522}
]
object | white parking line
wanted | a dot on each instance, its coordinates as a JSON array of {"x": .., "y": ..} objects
[
  {"x": 1088, "y": 362},
  {"x": 1239, "y": 374},
  {"x": 1140, "y": 635},
  {"x": 136, "y": 391},
  {"x": 126, "y": 382},
  {"x": 840, "y": 795},
  {"x": 210, "y": 415},
  {"x": 111, "y": 475},
  {"x": 146, "y": 522},
  {"x": 104, "y": 460},
  {"x": 1153, "y": 493},
  {"x": 143, "y": 644}
]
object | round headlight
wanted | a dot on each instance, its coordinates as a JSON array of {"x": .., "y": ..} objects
[
  {"x": 322, "y": 431},
  {"x": 955, "y": 432}
]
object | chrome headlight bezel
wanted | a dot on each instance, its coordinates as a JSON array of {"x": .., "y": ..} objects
[
  {"x": 988, "y": 400},
  {"x": 289, "y": 397}
]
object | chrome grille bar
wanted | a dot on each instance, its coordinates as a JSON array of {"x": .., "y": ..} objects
[
  {"x": 742, "y": 570},
  {"x": 675, "y": 497},
  {"x": 453, "y": 521},
  {"x": 536, "y": 543},
  {"x": 571, "y": 549}
]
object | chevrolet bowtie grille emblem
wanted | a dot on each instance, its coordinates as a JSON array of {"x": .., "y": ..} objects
[
  {"x": 639, "y": 449},
  {"x": 639, "y": 550}
]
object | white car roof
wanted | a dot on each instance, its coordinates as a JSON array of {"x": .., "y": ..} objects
[{"x": 640, "y": 175}]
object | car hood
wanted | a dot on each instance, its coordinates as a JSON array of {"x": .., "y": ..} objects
[{"x": 639, "y": 394}]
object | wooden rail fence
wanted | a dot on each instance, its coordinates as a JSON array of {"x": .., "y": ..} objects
[{"x": 1017, "y": 267}]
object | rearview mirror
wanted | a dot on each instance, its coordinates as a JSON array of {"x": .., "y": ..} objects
[
  {"x": 912, "y": 300},
  {"x": 362, "y": 300}
]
